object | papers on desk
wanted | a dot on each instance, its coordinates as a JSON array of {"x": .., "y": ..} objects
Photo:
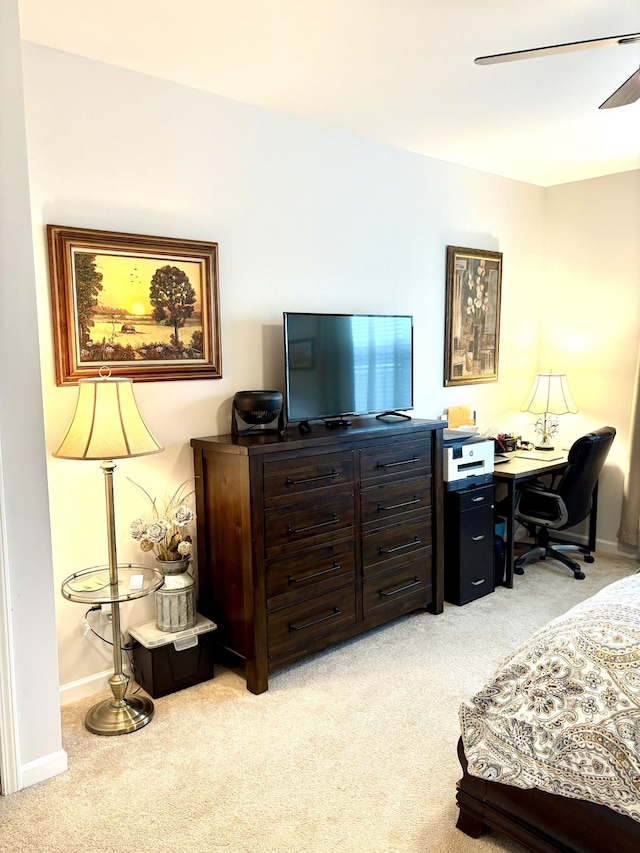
[
  {"x": 540, "y": 455},
  {"x": 88, "y": 584}
]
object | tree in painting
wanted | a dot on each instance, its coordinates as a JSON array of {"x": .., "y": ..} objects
[
  {"x": 88, "y": 286},
  {"x": 172, "y": 297}
]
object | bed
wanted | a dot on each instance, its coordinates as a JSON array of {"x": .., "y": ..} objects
[{"x": 550, "y": 746}]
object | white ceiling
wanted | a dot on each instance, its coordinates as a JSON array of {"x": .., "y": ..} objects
[{"x": 397, "y": 71}]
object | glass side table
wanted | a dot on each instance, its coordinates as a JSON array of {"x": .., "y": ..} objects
[
  {"x": 92, "y": 586},
  {"x": 118, "y": 715}
]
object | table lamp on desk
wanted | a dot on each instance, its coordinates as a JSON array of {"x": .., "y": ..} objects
[{"x": 549, "y": 396}]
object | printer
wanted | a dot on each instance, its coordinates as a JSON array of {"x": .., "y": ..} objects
[{"x": 468, "y": 460}]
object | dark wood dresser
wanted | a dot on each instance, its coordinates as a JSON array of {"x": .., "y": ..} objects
[{"x": 308, "y": 539}]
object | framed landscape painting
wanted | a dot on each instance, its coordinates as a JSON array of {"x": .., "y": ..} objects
[
  {"x": 472, "y": 316},
  {"x": 145, "y": 307}
]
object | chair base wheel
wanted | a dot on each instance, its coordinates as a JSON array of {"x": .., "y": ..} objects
[{"x": 557, "y": 552}]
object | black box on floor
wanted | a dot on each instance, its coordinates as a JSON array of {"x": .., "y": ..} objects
[{"x": 165, "y": 662}]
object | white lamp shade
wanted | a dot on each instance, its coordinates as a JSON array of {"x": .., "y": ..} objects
[
  {"x": 549, "y": 394},
  {"x": 107, "y": 423}
]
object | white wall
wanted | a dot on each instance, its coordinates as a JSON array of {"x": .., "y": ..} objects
[
  {"x": 591, "y": 323},
  {"x": 306, "y": 219},
  {"x": 30, "y": 740}
]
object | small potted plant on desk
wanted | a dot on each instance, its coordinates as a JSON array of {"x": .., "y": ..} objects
[{"x": 165, "y": 534}]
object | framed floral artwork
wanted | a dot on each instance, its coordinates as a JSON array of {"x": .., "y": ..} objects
[
  {"x": 472, "y": 316},
  {"x": 145, "y": 307}
]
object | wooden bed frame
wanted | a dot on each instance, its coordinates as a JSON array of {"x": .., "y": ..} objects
[{"x": 542, "y": 822}]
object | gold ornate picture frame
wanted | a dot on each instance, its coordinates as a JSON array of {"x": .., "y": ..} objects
[
  {"x": 146, "y": 307},
  {"x": 472, "y": 316}
]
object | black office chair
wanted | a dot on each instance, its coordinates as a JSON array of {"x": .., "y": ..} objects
[{"x": 564, "y": 503}]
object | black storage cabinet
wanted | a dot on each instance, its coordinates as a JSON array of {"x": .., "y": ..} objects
[
  {"x": 165, "y": 664},
  {"x": 469, "y": 565}
]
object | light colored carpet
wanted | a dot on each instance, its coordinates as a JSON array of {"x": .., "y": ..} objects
[{"x": 352, "y": 750}]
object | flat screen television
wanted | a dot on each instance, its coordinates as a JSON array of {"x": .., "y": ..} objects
[{"x": 339, "y": 365}]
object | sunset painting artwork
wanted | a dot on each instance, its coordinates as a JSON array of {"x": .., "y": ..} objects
[
  {"x": 146, "y": 307},
  {"x": 131, "y": 308}
]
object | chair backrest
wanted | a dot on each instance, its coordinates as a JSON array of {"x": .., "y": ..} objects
[{"x": 586, "y": 459}]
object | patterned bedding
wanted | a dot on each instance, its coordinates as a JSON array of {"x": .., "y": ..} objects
[{"x": 562, "y": 713}]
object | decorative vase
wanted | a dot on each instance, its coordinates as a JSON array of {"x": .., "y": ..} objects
[{"x": 176, "y": 599}]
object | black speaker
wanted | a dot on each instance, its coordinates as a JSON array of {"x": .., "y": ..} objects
[{"x": 257, "y": 411}]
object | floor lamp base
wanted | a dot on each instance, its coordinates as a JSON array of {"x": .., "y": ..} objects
[{"x": 119, "y": 716}]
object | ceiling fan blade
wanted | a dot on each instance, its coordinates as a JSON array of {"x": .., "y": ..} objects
[
  {"x": 625, "y": 94},
  {"x": 630, "y": 38}
]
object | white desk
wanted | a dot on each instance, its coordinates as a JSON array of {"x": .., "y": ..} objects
[{"x": 514, "y": 473}]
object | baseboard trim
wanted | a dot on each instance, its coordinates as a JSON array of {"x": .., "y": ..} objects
[
  {"x": 89, "y": 686},
  {"x": 605, "y": 545},
  {"x": 609, "y": 547},
  {"x": 43, "y": 768}
]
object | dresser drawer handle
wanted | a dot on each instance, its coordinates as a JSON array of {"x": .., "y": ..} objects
[
  {"x": 478, "y": 538},
  {"x": 336, "y": 612},
  {"x": 475, "y": 500},
  {"x": 289, "y": 482},
  {"x": 414, "y": 500},
  {"x": 328, "y": 571},
  {"x": 478, "y": 582},
  {"x": 416, "y": 541},
  {"x": 294, "y": 530},
  {"x": 415, "y": 582},
  {"x": 395, "y": 464}
]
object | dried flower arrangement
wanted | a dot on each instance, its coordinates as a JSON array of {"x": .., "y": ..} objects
[{"x": 165, "y": 532}]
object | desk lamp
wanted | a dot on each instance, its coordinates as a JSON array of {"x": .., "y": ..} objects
[
  {"x": 107, "y": 425},
  {"x": 549, "y": 396}
]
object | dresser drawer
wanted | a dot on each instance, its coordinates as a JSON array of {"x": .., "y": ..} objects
[
  {"x": 309, "y": 522},
  {"x": 382, "y": 504},
  {"x": 300, "y": 479},
  {"x": 309, "y": 572},
  {"x": 302, "y": 625},
  {"x": 392, "y": 545},
  {"x": 392, "y": 461},
  {"x": 400, "y": 591}
]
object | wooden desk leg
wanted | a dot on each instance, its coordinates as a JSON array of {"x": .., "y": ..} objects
[{"x": 510, "y": 525}]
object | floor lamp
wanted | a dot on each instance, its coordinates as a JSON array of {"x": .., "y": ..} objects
[
  {"x": 107, "y": 425},
  {"x": 549, "y": 396}
]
